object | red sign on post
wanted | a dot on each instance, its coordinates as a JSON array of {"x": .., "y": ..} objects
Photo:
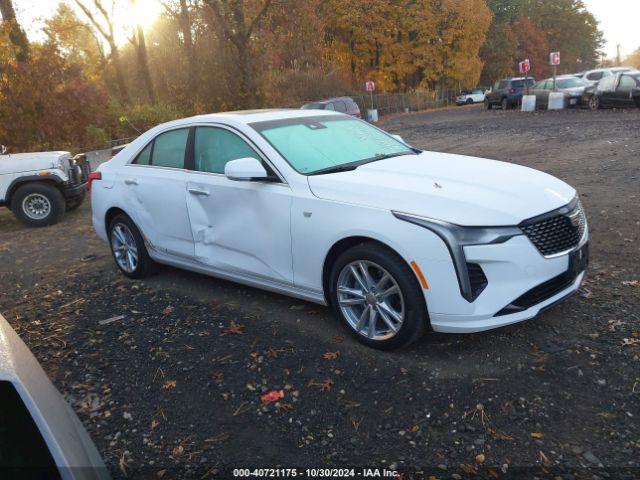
[
  {"x": 370, "y": 86},
  {"x": 554, "y": 58},
  {"x": 524, "y": 66}
]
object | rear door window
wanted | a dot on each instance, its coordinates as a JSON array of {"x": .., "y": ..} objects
[
  {"x": 340, "y": 107},
  {"x": 593, "y": 76},
  {"x": 144, "y": 157},
  {"x": 626, "y": 83},
  {"x": 169, "y": 148},
  {"x": 503, "y": 85}
]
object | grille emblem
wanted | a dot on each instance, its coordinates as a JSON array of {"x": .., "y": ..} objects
[{"x": 575, "y": 218}]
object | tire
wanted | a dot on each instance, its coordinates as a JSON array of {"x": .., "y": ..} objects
[
  {"x": 74, "y": 203},
  {"x": 505, "y": 104},
  {"x": 594, "y": 102},
  {"x": 38, "y": 204},
  {"x": 125, "y": 239},
  {"x": 469, "y": 101},
  {"x": 487, "y": 104},
  {"x": 409, "y": 303}
]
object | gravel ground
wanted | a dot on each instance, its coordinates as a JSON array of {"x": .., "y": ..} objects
[{"x": 168, "y": 373}]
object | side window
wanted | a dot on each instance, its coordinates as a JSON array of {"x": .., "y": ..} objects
[
  {"x": 329, "y": 106},
  {"x": 169, "y": 148},
  {"x": 503, "y": 85},
  {"x": 144, "y": 157},
  {"x": 214, "y": 147},
  {"x": 626, "y": 83},
  {"x": 594, "y": 76},
  {"x": 340, "y": 107},
  {"x": 606, "y": 84},
  {"x": 496, "y": 86}
]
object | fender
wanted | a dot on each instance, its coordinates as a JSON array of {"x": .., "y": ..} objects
[{"x": 29, "y": 179}]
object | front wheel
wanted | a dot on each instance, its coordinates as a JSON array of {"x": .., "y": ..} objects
[
  {"x": 505, "y": 104},
  {"x": 74, "y": 203},
  {"x": 128, "y": 248},
  {"x": 487, "y": 104},
  {"x": 594, "y": 102},
  {"x": 378, "y": 297},
  {"x": 469, "y": 101},
  {"x": 38, "y": 204}
]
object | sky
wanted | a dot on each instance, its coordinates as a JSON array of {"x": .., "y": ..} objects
[{"x": 618, "y": 20}]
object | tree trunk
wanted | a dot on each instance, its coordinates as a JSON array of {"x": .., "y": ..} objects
[
  {"x": 192, "y": 64},
  {"x": 117, "y": 65},
  {"x": 16, "y": 35},
  {"x": 143, "y": 63}
]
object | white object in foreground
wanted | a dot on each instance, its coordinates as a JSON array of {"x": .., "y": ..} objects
[
  {"x": 528, "y": 103},
  {"x": 556, "y": 101},
  {"x": 331, "y": 209}
]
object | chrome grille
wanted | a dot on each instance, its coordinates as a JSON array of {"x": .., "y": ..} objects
[{"x": 556, "y": 233}]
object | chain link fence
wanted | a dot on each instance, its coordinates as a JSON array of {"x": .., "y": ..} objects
[{"x": 387, "y": 103}]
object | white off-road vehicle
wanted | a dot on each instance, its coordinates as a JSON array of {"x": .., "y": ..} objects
[{"x": 40, "y": 187}]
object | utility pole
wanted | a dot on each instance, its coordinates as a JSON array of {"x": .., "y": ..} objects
[{"x": 618, "y": 59}]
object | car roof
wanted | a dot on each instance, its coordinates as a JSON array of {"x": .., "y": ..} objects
[
  {"x": 251, "y": 116},
  {"x": 334, "y": 99}
]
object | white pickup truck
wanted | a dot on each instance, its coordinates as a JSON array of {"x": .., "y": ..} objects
[{"x": 40, "y": 187}]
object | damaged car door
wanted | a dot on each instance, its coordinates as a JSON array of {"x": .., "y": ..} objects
[{"x": 241, "y": 227}]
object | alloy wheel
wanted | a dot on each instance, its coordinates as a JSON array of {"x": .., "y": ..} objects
[
  {"x": 36, "y": 206},
  {"x": 594, "y": 102},
  {"x": 124, "y": 248},
  {"x": 371, "y": 300}
]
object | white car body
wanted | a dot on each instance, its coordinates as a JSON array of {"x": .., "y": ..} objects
[
  {"x": 278, "y": 235},
  {"x": 71, "y": 449},
  {"x": 476, "y": 95},
  {"x": 16, "y": 166},
  {"x": 594, "y": 76}
]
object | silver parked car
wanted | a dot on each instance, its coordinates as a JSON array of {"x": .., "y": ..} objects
[
  {"x": 572, "y": 88},
  {"x": 40, "y": 436}
]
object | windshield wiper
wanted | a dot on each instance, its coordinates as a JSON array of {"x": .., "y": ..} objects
[
  {"x": 384, "y": 156},
  {"x": 337, "y": 169}
]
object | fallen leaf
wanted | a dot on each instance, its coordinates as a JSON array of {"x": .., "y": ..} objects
[
  {"x": 631, "y": 341},
  {"x": 233, "y": 328},
  {"x": 168, "y": 310},
  {"x": 536, "y": 435},
  {"x": 331, "y": 355},
  {"x": 177, "y": 451},
  {"x": 480, "y": 458},
  {"x": 154, "y": 424},
  {"x": 285, "y": 407},
  {"x": 544, "y": 459},
  {"x": 272, "y": 396},
  {"x": 324, "y": 386},
  {"x": 169, "y": 384}
]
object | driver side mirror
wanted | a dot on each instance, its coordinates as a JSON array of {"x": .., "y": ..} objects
[
  {"x": 4, "y": 150},
  {"x": 246, "y": 169}
]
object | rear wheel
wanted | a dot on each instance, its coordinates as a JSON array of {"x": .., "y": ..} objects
[
  {"x": 128, "y": 248},
  {"x": 38, "y": 204},
  {"x": 377, "y": 296},
  {"x": 469, "y": 101},
  {"x": 505, "y": 104},
  {"x": 594, "y": 102}
]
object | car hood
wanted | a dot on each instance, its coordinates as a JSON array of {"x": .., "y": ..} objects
[
  {"x": 24, "y": 162},
  {"x": 462, "y": 190}
]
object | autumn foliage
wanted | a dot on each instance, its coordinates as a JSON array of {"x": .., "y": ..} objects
[{"x": 72, "y": 89}]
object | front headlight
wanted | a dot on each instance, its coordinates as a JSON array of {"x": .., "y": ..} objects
[{"x": 456, "y": 238}]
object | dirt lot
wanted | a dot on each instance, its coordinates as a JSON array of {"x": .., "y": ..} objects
[{"x": 172, "y": 389}]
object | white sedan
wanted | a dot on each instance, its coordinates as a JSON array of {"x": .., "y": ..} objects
[{"x": 328, "y": 208}]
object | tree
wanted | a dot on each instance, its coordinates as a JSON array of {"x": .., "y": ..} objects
[
  {"x": 532, "y": 44},
  {"x": 103, "y": 21},
  {"x": 140, "y": 45},
  {"x": 633, "y": 60},
  {"x": 236, "y": 26},
  {"x": 16, "y": 34}
]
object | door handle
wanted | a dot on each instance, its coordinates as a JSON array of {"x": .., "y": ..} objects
[
  {"x": 198, "y": 191},
  {"x": 131, "y": 181}
]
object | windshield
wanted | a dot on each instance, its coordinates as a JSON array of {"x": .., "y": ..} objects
[
  {"x": 570, "y": 83},
  {"x": 311, "y": 144},
  {"x": 520, "y": 83}
]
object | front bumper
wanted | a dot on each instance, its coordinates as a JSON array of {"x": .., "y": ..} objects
[
  {"x": 74, "y": 191},
  {"x": 480, "y": 323}
]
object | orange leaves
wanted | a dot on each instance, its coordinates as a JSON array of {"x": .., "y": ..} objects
[
  {"x": 233, "y": 329},
  {"x": 323, "y": 386},
  {"x": 272, "y": 396},
  {"x": 168, "y": 310},
  {"x": 169, "y": 384},
  {"x": 331, "y": 355}
]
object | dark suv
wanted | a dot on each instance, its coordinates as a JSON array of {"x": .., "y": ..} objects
[
  {"x": 339, "y": 104},
  {"x": 507, "y": 93}
]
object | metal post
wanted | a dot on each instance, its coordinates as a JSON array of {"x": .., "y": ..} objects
[{"x": 555, "y": 69}]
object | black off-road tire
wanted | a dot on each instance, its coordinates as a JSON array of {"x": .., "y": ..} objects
[
  {"x": 52, "y": 195},
  {"x": 487, "y": 104},
  {"x": 74, "y": 203},
  {"x": 505, "y": 104},
  {"x": 416, "y": 321},
  {"x": 146, "y": 266}
]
